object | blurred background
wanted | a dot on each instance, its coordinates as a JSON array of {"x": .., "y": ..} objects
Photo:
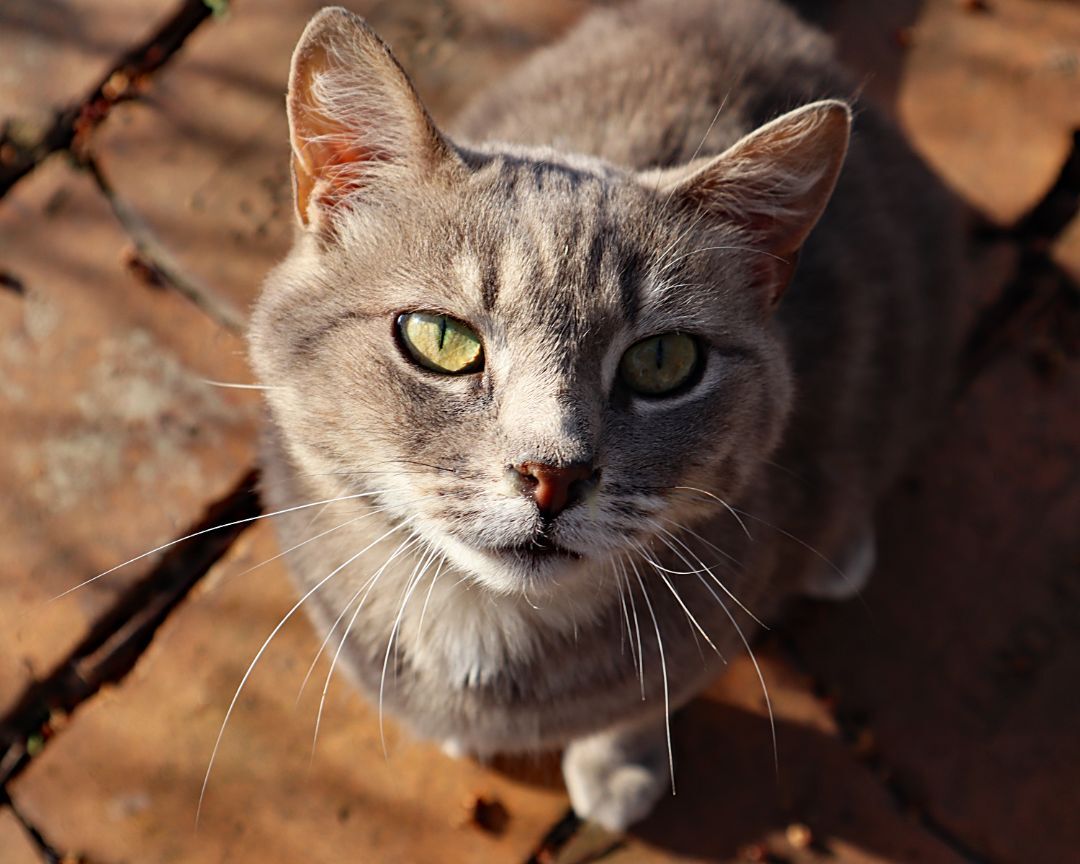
[{"x": 143, "y": 194}]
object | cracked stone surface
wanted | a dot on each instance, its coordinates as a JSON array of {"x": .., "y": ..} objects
[
  {"x": 122, "y": 781},
  {"x": 962, "y": 659},
  {"x": 988, "y": 97},
  {"x": 932, "y": 722},
  {"x": 113, "y": 442},
  {"x": 731, "y": 803}
]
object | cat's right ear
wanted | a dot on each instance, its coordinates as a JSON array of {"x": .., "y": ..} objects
[
  {"x": 773, "y": 184},
  {"x": 356, "y": 125}
]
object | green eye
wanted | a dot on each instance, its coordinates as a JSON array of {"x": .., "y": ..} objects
[
  {"x": 441, "y": 343},
  {"x": 659, "y": 364}
]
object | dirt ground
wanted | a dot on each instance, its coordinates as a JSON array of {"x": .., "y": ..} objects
[{"x": 144, "y": 188}]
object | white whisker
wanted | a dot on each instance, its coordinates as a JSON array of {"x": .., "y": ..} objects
[
  {"x": 802, "y": 543},
  {"x": 232, "y": 386},
  {"x": 757, "y": 669},
  {"x": 235, "y": 522},
  {"x": 414, "y": 579},
  {"x": 663, "y": 674},
  {"x": 259, "y": 654},
  {"x": 404, "y": 546},
  {"x": 427, "y": 599},
  {"x": 706, "y": 569},
  {"x": 686, "y": 611},
  {"x": 637, "y": 628},
  {"x": 626, "y": 636},
  {"x": 729, "y": 508}
]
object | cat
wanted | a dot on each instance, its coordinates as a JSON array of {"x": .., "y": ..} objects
[{"x": 572, "y": 421}]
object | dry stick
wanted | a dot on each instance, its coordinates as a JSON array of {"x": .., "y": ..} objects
[
  {"x": 124, "y": 81},
  {"x": 151, "y": 250}
]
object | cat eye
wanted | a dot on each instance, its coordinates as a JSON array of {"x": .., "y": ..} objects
[
  {"x": 441, "y": 343},
  {"x": 660, "y": 364}
]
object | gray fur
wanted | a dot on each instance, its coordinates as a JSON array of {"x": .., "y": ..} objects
[{"x": 546, "y": 222}]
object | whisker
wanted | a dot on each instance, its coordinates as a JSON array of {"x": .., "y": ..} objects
[
  {"x": 235, "y": 522},
  {"x": 708, "y": 570},
  {"x": 627, "y": 635},
  {"x": 757, "y": 669},
  {"x": 259, "y": 654},
  {"x": 407, "y": 544},
  {"x": 682, "y": 605},
  {"x": 732, "y": 562},
  {"x": 311, "y": 540},
  {"x": 727, "y": 506},
  {"x": 233, "y": 386},
  {"x": 415, "y": 578},
  {"x": 427, "y": 599},
  {"x": 333, "y": 627},
  {"x": 663, "y": 674},
  {"x": 637, "y": 628},
  {"x": 802, "y": 543}
]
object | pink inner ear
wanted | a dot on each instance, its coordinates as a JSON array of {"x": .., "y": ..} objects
[
  {"x": 326, "y": 154},
  {"x": 333, "y": 175}
]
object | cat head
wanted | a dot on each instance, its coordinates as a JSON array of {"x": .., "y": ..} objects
[{"x": 529, "y": 356}]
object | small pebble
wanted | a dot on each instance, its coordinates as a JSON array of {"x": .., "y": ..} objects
[
  {"x": 488, "y": 814},
  {"x": 799, "y": 835}
]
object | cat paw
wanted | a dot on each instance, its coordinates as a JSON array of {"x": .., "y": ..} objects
[
  {"x": 851, "y": 572},
  {"x": 613, "y": 785}
]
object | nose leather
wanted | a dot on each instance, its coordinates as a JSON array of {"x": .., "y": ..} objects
[{"x": 555, "y": 487}]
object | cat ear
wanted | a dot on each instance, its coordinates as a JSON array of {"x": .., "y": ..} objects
[
  {"x": 355, "y": 121},
  {"x": 774, "y": 184}
]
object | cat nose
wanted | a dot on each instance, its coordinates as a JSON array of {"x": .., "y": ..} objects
[{"x": 555, "y": 487}]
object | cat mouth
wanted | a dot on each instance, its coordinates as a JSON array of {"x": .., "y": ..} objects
[{"x": 536, "y": 550}]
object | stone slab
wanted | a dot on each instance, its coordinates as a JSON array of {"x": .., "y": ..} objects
[
  {"x": 964, "y": 660},
  {"x": 15, "y": 846},
  {"x": 121, "y": 782},
  {"x": 989, "y": 96},
  {"x": 113, "y": 442}
]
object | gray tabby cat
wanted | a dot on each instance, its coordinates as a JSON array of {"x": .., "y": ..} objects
[{"x": 575, "y": 413}]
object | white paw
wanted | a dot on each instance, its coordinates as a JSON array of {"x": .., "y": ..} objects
[
  {"x": 850, "y": 575},
  {"x": 610, "y": 787}
]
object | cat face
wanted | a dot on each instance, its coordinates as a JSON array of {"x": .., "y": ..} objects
[{"x": 532, "y": 359}]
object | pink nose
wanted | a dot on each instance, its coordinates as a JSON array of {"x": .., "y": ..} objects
[{"x": 555, "y": 487}]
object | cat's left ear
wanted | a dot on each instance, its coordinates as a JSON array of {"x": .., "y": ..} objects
[
  {"x": 356, "y": 125},
  {"x": 774, "y": 184}
]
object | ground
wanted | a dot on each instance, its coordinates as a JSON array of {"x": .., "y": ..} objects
[{"x": 145, "y": 192}]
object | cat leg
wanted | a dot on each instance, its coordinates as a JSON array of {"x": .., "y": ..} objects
[
  {"x": 854, "y": 566},
  {"x": 614, "y": 778}
]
